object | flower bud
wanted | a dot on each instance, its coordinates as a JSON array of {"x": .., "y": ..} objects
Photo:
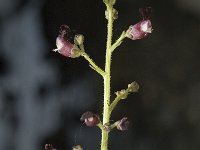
[
  {"x": 49, "y": 147},
  {"x": 64, "y": 47},
  {"x": 120, "y": 93},
  {"x": 115, "y": 14},
  {"x": 90, "y": 119},
  {"x": 122, "y": 124},
  {"x": 133, "y": 87},
  {"x": 78, "y": 147},
  {"x": 143, "y": 28},
  {"x": 79, "y": 39}
]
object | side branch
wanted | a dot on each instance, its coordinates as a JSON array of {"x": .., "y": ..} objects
[
  {"x": 93, "y": 64},
  {"x": 133, "y": 87},
  {"x": 118, "y": 41}
]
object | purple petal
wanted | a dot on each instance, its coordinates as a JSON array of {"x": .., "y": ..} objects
[
  {"x": 145, "y": 12},
  {"x": 64, "y": 29}
]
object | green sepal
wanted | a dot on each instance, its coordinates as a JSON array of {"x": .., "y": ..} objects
[
  {"x": 79, "y": 39},
  {"x": 109, "y": 2}
]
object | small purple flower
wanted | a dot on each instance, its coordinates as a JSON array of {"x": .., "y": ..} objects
[
  {"x": 143, "y": 28},
  {"x": 64, "y": 47},
  {"x": 90, "y": 119},
  {"x": 122, "y": 124}
]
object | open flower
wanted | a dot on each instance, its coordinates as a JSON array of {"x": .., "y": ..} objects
[
  {"x": 64, "y": 47},
  {"x": 142, "y": 28},
  {"x": 90, "y": 119}
]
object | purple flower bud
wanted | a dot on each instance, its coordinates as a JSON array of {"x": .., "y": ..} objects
[
  {"x": 90, "y": 119},
  {"x": 49, "y": 147},
  {"x": 122, "y": 124},
  {"x": 64, "y": 47},
  {"x": 142, "y": 28}
]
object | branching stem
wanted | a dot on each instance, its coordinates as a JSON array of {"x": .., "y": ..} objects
[{"x": 118, "y": 42}]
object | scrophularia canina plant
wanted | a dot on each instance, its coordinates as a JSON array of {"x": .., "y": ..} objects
[{"x": 76, "y": 49}]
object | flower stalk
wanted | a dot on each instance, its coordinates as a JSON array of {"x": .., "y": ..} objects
[
  {"x": 133, "y": 87},
  {"x": 93, "y": 64},
  {"x": 118, "y": 42}
]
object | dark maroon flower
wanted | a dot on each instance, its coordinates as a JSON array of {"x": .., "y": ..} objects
[
  {"x": 49, "y": 147},
  {"x": 64, "y": 47},
  {"x": 142, "y": 28},
  {"x": 64, "y": 29},
  {"x": 90, "y": 119},
  {"x": 122, "y": 124},
  {"x": 145, "y": 12}
]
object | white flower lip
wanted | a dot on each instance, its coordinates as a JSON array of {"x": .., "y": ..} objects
[
  {"x": 146, "y": 26},
  {"x": 59, "y": 43}
]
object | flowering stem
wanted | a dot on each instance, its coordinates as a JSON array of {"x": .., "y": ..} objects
[
  {"x": 106, "y": 110},
  {"x": 93, "y": 64}
]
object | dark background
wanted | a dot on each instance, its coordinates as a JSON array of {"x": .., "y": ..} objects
[{"x": 43, "y": 94}]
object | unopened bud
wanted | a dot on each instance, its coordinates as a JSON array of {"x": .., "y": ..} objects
[
  {"x": 122, "y": 124},
  {"x": 90, "y": 119},
  {"x": 133, "y": 87},
  {"x": 79, "y": 39},
  {"x": 115, "y": 14},
  {"x": 121, "y": 93}
]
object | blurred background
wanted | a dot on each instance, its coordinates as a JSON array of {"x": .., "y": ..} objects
[{"x": 43, "y": 94}]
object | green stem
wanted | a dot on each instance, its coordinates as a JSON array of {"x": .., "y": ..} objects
[
  {"x": 106, "y": 111},
  {"x": 133, "y": 87},
  {"x": 117, "y": 99},
  {"x": 118, "y": 42},
  {"x": 92, "y": 64}
]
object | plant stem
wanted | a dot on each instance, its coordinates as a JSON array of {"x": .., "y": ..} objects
[
  {"x": 118, "y": 42},
  {"x": 117, "y": 99},
  {"x": 106, "y": 111},
  {"x": 93, "y": 64}
]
